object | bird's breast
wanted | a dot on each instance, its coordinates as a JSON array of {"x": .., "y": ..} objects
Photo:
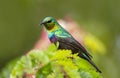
[{"x": 52, "y": 38}]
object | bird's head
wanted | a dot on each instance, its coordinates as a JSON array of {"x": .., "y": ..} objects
[{"x": 49, "y": 22}]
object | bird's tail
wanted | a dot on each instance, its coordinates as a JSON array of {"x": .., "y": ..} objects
[{"x": 93, "y": 64}]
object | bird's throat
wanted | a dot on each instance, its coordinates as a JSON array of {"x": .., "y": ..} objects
[{"x": 52, "y": 28}]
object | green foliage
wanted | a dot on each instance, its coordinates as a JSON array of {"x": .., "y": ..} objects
[
  {"x": 5, "y": 72},
  {"x": 53, "y": 63},
  {"x": 94, "y": 44}
]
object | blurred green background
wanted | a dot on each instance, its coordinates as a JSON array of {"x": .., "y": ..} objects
[{"x": 19, "y": 29}]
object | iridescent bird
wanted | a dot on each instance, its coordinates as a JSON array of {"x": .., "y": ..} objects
[{"x": 57, "y": 34}]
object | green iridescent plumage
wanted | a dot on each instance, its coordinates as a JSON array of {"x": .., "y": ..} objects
[{"x": 58, "y": 34}]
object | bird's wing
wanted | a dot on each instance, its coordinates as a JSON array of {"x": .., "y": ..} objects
[
  {"x": 72, "y": 43},
  {"x": 75, "y": 44}
]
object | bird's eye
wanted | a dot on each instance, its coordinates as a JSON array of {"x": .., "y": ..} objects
[{"x": 49, "y": 21}]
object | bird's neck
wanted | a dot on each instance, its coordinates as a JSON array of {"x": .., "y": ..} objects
[
  {"x": 52, "y": 31},
  {"x": 55, "y": 28}
]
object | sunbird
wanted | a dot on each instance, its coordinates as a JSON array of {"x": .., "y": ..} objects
[{"x": 58, "y": 35}]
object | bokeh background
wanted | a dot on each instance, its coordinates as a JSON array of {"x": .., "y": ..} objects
[{"x": 19, "y": 29}]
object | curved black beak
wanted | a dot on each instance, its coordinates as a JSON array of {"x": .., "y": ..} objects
[
  {"x": 40, "y": 24},
  {"x": 43, "y": 23}
]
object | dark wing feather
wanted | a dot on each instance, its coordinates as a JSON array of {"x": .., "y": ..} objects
[
  {"x": 71, "y": 43},
  {"x": 76, "y": 47}
]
